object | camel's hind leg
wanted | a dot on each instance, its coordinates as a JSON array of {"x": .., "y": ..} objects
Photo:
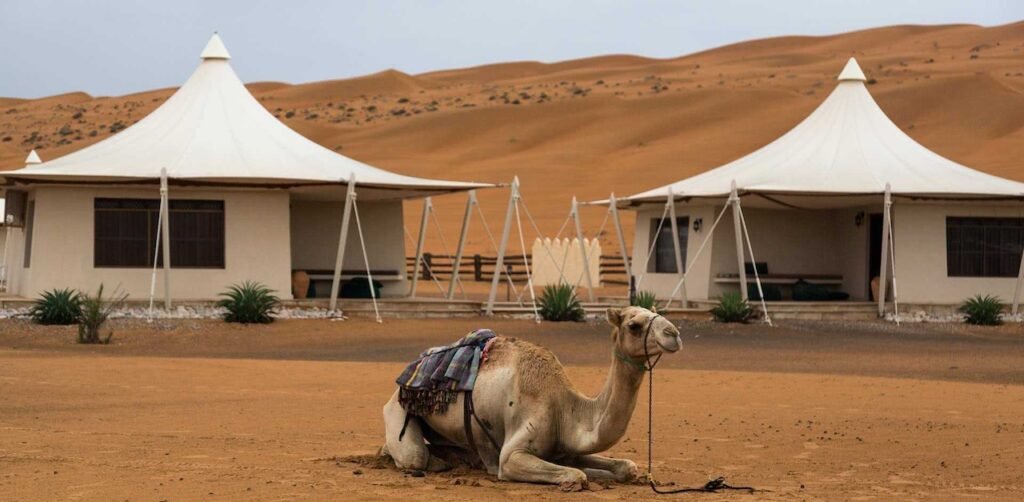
[{"x": 409, "y": 452}]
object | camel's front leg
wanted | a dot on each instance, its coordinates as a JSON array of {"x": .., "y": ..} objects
[
  {"x": 521, "y": 465},
  {"x": 620, "y": 470}
]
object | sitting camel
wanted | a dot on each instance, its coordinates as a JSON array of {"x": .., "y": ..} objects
[{"x": 547, "y": 430}]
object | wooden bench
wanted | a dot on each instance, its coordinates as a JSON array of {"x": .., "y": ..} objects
[{"x": 783, "y": 279}]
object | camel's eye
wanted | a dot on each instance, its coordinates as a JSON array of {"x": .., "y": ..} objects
[{"x": 634, "y": 327}]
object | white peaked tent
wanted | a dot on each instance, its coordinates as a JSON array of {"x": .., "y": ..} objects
[
  {"x": 845, "y": 154},
  {"x": 213, "y": 139},
  {"x": 212, "y": 129}
]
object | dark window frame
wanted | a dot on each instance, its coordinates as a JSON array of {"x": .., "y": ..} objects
[
  {"x": 664, "y": 260},
  {"x": 983, "y": 246},
  {"x": 197, "y": 233}
]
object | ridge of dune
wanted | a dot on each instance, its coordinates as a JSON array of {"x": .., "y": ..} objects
[{"x": 625, "y": 123}]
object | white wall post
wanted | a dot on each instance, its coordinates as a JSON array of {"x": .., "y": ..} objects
[
  {"x": 427, "y": 208},
  {"x": 513, "y": 199},
  {"x": 342, "y": 238},
  {"x": 583, "y": 249},
  {"x": 166, "y": 237},
  {"x": 883, "y": 282},
  {"x": 680, "y": 257},
  {"x": 734, "y": 199},
  {"x": 470, "y": 202},
  {"x": 1016, "y": 291}
]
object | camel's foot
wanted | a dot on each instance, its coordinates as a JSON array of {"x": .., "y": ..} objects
[{"x": 596, "y": 467}]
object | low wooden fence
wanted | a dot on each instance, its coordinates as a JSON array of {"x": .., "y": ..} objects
[{"x": 481, "y": 268}]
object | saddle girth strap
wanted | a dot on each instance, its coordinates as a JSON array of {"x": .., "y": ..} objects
[{"x": 468, "y": 413}]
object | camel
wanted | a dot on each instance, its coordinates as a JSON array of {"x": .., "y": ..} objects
[{"x": 549, "y": 432}]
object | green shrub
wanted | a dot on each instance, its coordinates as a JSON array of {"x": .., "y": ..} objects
[
  {"x": 982, "y": 310},
  {"x": 732, "y": 308},
  {"x": 558, "y": 303},
  {"x": 249, "y": 303},
  {"x": 57, "y": 306},
  {"x": 645, "y": 299},
  {"x": 95, "y": 312}
]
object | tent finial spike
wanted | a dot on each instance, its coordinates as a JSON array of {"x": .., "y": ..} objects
[
  {"x": 851, "y": 72},
  {"x": 33, "y": 158},
  {"x": 215, "y": 49}
]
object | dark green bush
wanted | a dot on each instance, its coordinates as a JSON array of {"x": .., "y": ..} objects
[
  {"x": 558, "y": 302},
  {"x": 732, "y": 308},
  {"x": 645, "y": 299},
  {"x": 249, "y": 303},
  {"x": 57, "y": 306},
  {"x": 95, "y": 312},
  {"x": 982, "y": 310}
]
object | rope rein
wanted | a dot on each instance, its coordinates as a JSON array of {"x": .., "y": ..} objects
[{"x": 713, "y": 486}]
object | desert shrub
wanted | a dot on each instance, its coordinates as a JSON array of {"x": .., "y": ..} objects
[
  {"x": 732, "y": 308},
  {"x": 558, "y": 302},
  {"x": 982, "y": 310},
  {"x": 57, "y": 306},
  {"x": 249, "y": 303},
  {"x": 95, "y": 312},
  {"x": 645, "y": 299}
]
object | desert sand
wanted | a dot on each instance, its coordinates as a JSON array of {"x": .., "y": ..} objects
[
  {"x": 620, "y": 122},
  {"x": 812, "y": 411}
]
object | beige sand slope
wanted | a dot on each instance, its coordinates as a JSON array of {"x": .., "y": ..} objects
[{"x": 613, "y": 122}]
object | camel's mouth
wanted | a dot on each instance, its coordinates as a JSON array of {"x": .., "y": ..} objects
[{"x": 674, "y": 346}]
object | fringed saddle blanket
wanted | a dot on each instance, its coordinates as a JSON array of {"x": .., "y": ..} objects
[{"x": 432, "y": 382}]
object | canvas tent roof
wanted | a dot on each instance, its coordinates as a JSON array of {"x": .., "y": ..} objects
[
  {"x": 213, "y": 130},
  {"x": 847, "y": 146}
]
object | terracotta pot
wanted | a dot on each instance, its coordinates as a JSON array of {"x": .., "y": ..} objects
[{"x": 300, "y": 284}]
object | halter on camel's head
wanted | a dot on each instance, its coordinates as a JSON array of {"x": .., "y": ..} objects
[{"x": 641, "y": 336}]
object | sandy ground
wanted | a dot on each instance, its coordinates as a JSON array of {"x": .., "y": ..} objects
[{"x": 188, "y": 410}]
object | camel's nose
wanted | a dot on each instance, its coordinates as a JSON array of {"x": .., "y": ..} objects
[{"x": 669, "y": 339}]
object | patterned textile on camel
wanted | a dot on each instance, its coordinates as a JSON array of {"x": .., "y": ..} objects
[{"x": 433, "y": 381}]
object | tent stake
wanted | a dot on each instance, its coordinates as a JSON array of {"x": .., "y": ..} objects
[
  {"x": 470, "y": 201},
  {"x": 500, "y": 262},
  {"x": 883, "y": 269},
  {"x": 734, "y": 199},
  {"x": 613, "y": 208},
  {"x": 427, "y": 208},
  {"x": 677, "y": 249},
  {"x": 583, "y": 249},
  {"x": 342, "y": 238},
  {"x": 165, "y": 236}
]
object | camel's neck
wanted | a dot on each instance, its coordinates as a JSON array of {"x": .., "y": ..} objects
[{"x": 601, "y": 422}]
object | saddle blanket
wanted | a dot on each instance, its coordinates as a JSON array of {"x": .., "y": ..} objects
[{"x": 433, "y": 381}]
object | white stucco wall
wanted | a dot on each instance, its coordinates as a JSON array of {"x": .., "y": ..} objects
[
  {"x": 920, "y": 234},
  {"x": 257, "y": 244},
  {"x": 315, "y": 226}
]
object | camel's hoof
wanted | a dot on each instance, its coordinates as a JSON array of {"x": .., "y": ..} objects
[
  {"x": 629, "y": 473},
  {"x": 573, "y": 486}
]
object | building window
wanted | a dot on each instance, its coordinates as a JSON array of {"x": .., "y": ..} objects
[
  {"x": 983, "y": 247},
  {"x": 126, "y": 232},
  {"x": 664, "y": 252}
]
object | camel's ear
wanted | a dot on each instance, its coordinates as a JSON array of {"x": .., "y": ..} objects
[{"x": 615, "y": 317}]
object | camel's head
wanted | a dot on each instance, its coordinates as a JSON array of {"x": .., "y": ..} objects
[{"x": 635, "y": 324}]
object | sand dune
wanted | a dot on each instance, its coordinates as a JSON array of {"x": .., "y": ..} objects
[{"x": 620, "y": 122}]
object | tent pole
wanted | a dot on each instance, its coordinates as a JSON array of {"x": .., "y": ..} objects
[
  {"x": 677, "y": 249},
  {"x": 583, "y": 249},
  {"x": 513, "y": 199},
  {"x": 883, "y": 269},
  {"x": 470, "y": 201},
  {"x": 342, "y": 238},
  {"x": 165, "y": 234},
  {"x": 613, "y": 207},
  {"x": 734, "y": 199},
  {"x": 427, "y": 207},
  {"x": 1016, "y": 291}
]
